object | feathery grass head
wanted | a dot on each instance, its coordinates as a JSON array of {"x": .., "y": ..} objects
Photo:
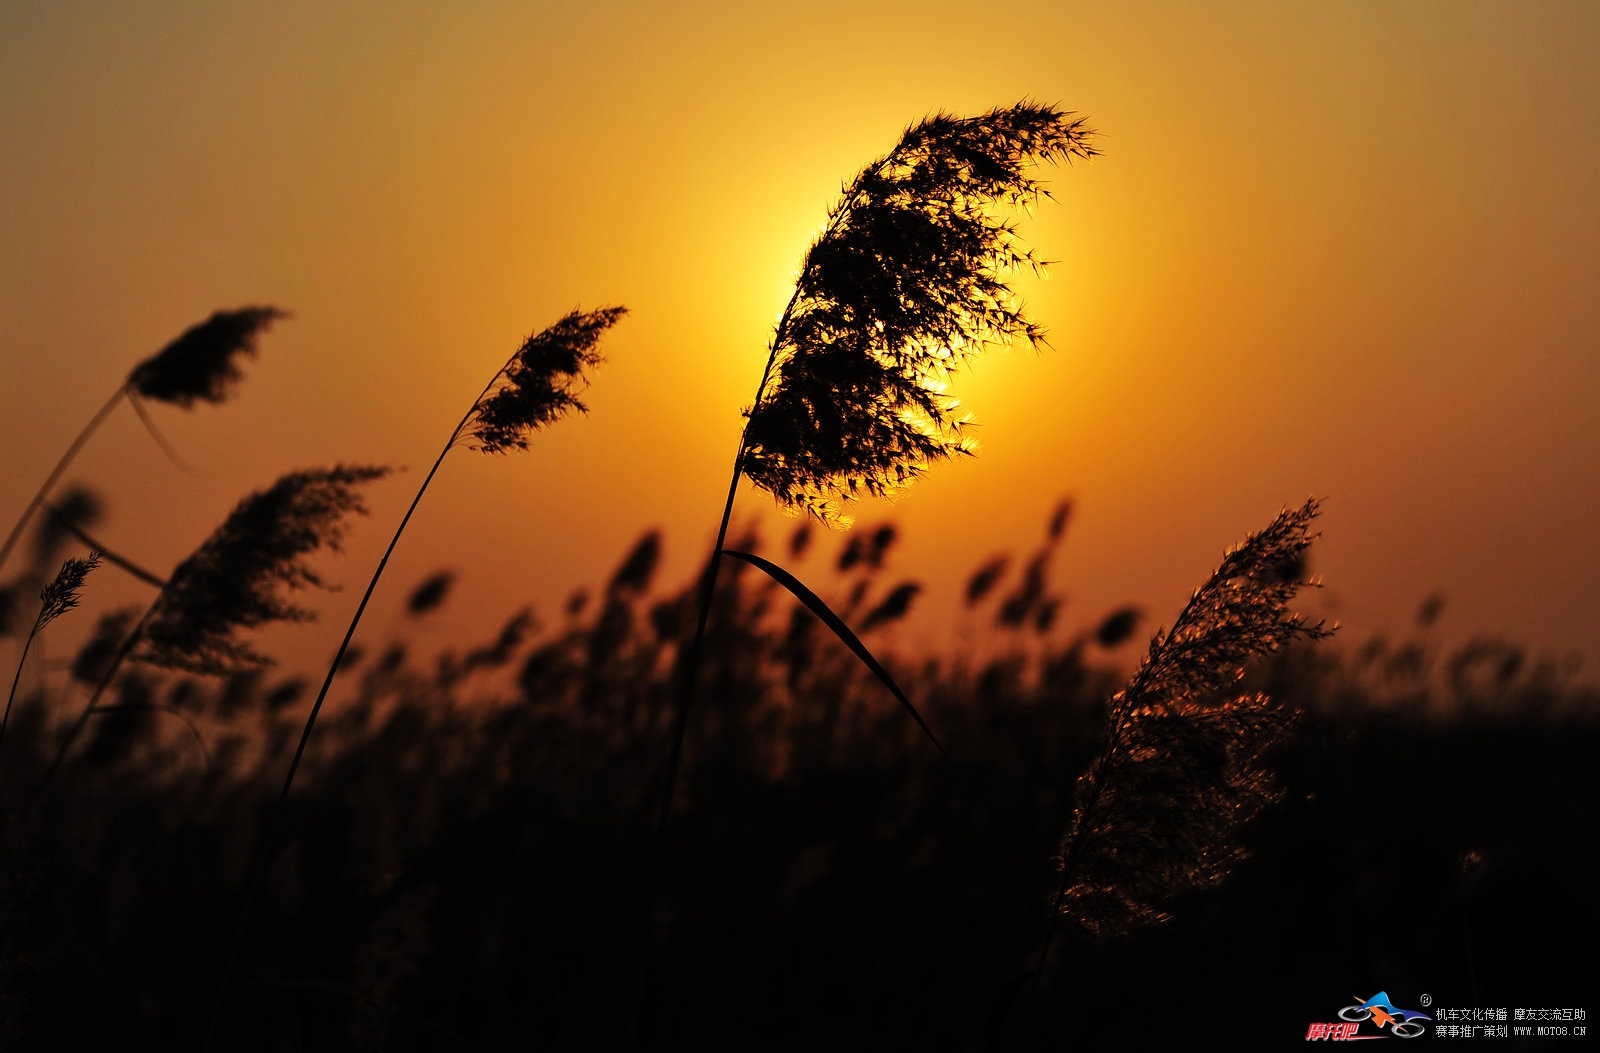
[
  {"x": 1181, "y": 768},
  {"x": 541, "y": 382},
  {"x": 431, "y": 594},
  {"x": 237, "y": 578},
  {"x": 908, "y": 281},
  {"x": 638, "y": 569},
  {"x": 893, "y": 607},
  {"x": 201, "y": 364},
  {"x": 61, "y": 595}
]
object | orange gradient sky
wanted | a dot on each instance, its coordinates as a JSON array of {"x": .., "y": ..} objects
[{"x": 1343, "y": 250}]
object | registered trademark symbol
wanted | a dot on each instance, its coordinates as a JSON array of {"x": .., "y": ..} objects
[{"x": 1427, "y": 1000}]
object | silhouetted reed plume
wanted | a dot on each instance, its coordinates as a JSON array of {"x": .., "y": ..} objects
[
  {"x": 200, "y": 365},
  {"x": 907, "y": 281},
  {"x": 1182, "y": 766},
  {"x": 55, "y": 599},
  {"x": 237, "y": 579},
  {"x": 240, "y": 576},
  {"x": 538, "y": 385},
  {"x": 541, "y": 383}
]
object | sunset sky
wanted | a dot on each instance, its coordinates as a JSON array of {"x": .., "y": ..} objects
[{"x": 1349, "y": 251}]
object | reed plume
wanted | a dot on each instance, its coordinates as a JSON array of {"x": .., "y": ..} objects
[
  {"x": 55, "y": 599},
  {"x": 200, "y": 365},
  {"x": 541, "y": 382},
  {"x": 237, "y": 580},
  {"x": 240, "y": 577},
  {"x": 908, "y": 280},
  {"x": 1182, "y": 764},
  {"x": 538, "y": 385}
]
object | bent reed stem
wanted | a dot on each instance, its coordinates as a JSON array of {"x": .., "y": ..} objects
[
  {"x": 109, "y": 555},
  {"x": 680, "y": 729},
  {"x": 707, "y": 591},
  {"x": 275, "y": 824},
  {"x": 128, "y": 643},
  {"x": 55, "y": 473}
]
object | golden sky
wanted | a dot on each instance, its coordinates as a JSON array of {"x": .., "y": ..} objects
[{"x": 1338, "y": 250}]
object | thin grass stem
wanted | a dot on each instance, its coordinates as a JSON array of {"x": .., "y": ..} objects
[
  {"x": 539, "y": 380},
  {"x": 156, "y": 433},
  {"x": 15, "y": 680},
  {"x": 275, "y": 824},
  {"x": 55, "y": 473},
  {"x": 128, "y": 643},
  {"x": 109, "y": 555}
]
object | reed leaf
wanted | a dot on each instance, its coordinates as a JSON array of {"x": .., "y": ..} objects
[
  {"x": 66, "y": 520},
  {"x": 837, "y": 626}
]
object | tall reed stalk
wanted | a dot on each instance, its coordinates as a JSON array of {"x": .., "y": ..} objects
[
  {"x": 908, "y": 280},
  {"x": 200, "y": 365},
  {"x": 539, "y": 384},
  {"x": 55, "y": 599}
]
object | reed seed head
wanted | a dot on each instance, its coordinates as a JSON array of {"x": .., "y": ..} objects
[
  {"x": 907, "y": 282},
  {"x": 61, "y": 595},
  {"x": 1182, "y": 765},
  {"x": 541, "y": 382},
  {"x": 202, "y": 363},
  {"x": 237, "y": 579},
  {"x": 431, "y": 594},
  {"x": 894, "y": 606}
]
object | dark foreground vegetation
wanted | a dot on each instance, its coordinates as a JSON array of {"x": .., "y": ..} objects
[{"x": 462, "y": 863}]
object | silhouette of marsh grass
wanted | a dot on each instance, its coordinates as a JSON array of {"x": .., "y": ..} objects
[
  {"x": 199, "y": 366},
  {"x": 454, "y": 863},
  {"x": 909, "y": 279},
  {"x": 473, "y": 820},
  {"x": 538, "y": 385}
]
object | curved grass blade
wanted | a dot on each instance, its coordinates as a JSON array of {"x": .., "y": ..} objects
[
  {"x": 106, "y": 554},
  {"x": 133, "y": 707},
  {"x": 842, "y": 631}
]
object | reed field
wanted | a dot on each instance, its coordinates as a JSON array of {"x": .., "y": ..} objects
[{"x": 745, "y": 810}]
